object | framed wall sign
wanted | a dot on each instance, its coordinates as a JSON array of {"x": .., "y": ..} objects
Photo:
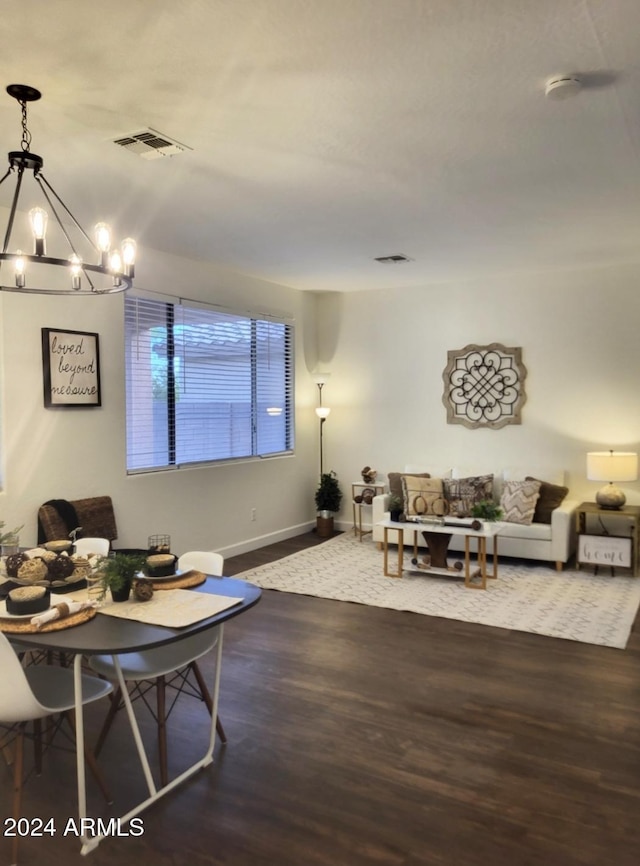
[
  {"x": 71, "y": 368},
  {"x": 604, "y": 550}
]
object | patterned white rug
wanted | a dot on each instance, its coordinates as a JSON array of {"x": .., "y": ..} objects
[{"x": 575, "y": 605}]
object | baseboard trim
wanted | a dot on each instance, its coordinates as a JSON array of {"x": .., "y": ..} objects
[{"x": 263, "y": 540}]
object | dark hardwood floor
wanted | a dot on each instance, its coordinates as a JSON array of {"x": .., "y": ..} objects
[{"x": 367, "y": 737}]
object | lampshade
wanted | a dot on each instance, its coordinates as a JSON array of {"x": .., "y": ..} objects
[
  {"x": 323, "y": 412},
  {"x": 611, "y": 466}
]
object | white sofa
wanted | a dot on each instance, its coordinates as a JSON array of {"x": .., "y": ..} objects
[{"x": 549, "y": 542}]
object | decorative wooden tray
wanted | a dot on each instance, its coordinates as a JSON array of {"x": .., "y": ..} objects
[
  {"x": 180, "y": 581},
  {"x": 24, "y": 626}
]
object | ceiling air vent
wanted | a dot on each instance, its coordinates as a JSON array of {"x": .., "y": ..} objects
[
  {"x": 393, "y": 260},
  {"x": 151, "y": 144}
]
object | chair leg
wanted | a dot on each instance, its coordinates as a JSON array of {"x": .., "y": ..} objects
[
  {"x": 162, "y": 730},
  {"x": 37, "y": 745},
  {"x": 206, "y": 697},
  {"x": 91, "y": 762},
  {"x": 17, "y": 787},
  {"x": 106, "y": 725}
]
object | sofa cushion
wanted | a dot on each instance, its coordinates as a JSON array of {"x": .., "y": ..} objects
[
  {"x": 463, "y": 493},
  {"x": 395, "y": 482},
  {"x": 533, "y": 532},
  {"x": 518, "y": 501},
  {"x": 423, "y": 496},
  {"x": 551, "y": 496}
]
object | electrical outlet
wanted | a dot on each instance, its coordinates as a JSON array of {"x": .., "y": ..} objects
[{"x": 253, "y": 514}]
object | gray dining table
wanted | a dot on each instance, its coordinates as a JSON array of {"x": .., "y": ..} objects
[{"x": 113, "y": 636}]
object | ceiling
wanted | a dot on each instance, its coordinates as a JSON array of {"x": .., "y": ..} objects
[{"x": 325, "y": 133}]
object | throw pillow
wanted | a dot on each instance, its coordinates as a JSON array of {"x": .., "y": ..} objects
[
  {"x": 551, "y": 495},
  {"x": 395, "y": 482},
  {"x": 423, "y": 496},
  {"x": 463, "y": 493},
  {"x": 518, "y": 501}
]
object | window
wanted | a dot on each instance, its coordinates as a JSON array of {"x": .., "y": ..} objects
[{"x": 204, "y": 385}]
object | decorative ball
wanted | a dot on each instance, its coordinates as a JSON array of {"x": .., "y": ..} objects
[
  {"x": 32, "y": 571},
  {"x": 60, "y": 568},
  {"x": 367, "y": 495},
  {"x": 142, "y": 590},
  {"x": 13, "y": 563}
]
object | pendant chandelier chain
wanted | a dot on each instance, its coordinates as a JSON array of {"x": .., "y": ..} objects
[{"x": 26, "y": 135}]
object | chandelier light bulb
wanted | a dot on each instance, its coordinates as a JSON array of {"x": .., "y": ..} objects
[
  {"x": 129, "y": 256},
  {"x": 19, "y": 265},
  {"x": 103, "y": 241},
  {"x": 38, "y": 218},
  {"x": 115, "y": 266},
  {"x": 76, "y": 269}
]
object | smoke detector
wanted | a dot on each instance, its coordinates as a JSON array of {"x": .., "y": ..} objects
[
  {"x": 151, "y": 144},
  {"x": 562, "y": 86}
]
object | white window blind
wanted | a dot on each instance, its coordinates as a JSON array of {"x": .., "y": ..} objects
[{"x": 204, "y": 385}]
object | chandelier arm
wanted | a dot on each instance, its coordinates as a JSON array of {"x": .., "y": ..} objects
[
  {"x": 44, "y": 186},
  {"x": 7, "y": 173},
  {"x": 44, "y": 182},
  {"x": 115, "y": 290},
  {"x": 12, "y": 212},
  {"x": 125, "y": 284}
]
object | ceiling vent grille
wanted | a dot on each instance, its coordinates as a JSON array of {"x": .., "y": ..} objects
[
  {"x": 393, "y": 260},
  {"x": 151, "y": 144}
]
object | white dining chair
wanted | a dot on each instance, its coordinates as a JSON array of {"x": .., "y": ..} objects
[
  {"x": 166, "y": 666},
  {"x": 206, "y": 561},
  {"x": 96, "y": 546},
  {"x": 29, "y": 694}
]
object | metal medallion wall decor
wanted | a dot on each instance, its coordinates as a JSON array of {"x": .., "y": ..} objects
[{"x": 484, "y": 386}]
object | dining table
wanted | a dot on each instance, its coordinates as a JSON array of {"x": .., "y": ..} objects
[{"x": 114, "y": 635}]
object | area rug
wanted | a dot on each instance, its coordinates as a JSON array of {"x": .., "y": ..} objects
[{"x": 574, "y": 605}]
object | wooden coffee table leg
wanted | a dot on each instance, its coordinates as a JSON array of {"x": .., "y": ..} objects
[
  {"x": 494, "y": 573},
  {"x": 481, "y": 571},
  {"x": 400, "y": 532}
]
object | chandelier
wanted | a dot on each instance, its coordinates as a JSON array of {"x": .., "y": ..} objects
[{"x": 110, "y": 270}]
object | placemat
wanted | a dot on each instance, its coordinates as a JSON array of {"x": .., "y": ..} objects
[
  {"x": 174, "y": 609},
  {"x": 24, "y": 626}
]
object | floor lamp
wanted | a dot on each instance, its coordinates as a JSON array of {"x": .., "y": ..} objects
[{"x": 323, "y": 413}]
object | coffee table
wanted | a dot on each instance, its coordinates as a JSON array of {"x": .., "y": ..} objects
[{"x": 437, "y": 537}]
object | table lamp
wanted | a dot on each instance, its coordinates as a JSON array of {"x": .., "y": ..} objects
[{"x": 611, "y": 466}]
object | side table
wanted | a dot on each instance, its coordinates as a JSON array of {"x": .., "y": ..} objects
[
  {"x": 628, "y": 513},
  {"x": 356, "y": 490}
]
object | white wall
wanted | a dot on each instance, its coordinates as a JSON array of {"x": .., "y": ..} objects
[
  {"x": 386, "y": 351},
  {"x": 73, "y": 453}
]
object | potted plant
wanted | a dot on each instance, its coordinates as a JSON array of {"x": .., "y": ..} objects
[
  {"x": 328, "y": 499},
  {"x": 396, "y": 507},
  {"x": 487, "y": 510},
  {"x": 117, "y": 573}
]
